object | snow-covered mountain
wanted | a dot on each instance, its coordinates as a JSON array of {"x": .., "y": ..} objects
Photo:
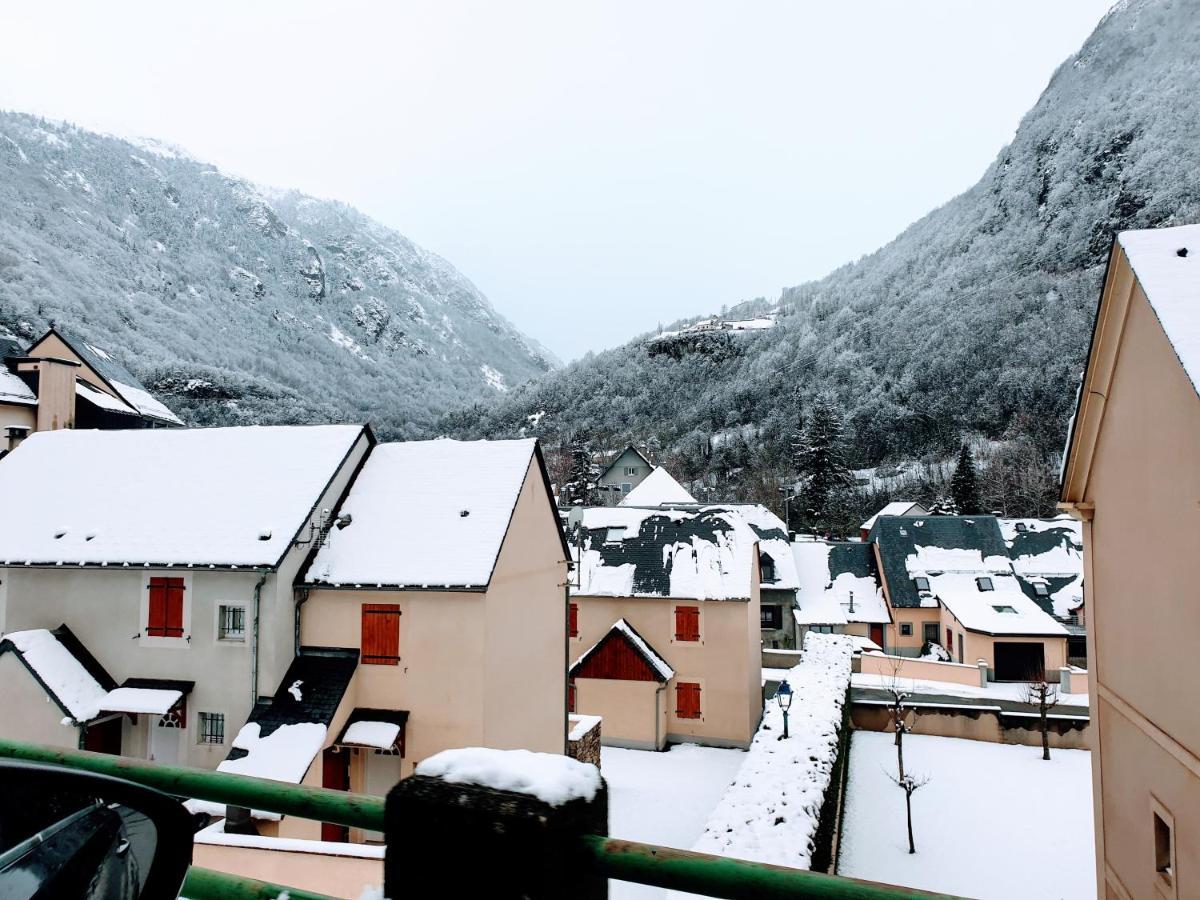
[
  {"x": 975, "y": 319},
  {"x": 236, "y": 303}
]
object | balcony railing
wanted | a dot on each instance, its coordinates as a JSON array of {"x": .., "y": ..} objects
[{"x": 665, "y": 867}]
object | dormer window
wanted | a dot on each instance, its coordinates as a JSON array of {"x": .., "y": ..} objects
[
  {"x": 921, "y": 583},
  {"x": 985, "y": 583},
  {"x": 614, "y": 535},
  {"x": 1007, "y": 610},
  {"x": 1041, "y": 589},
  {"x": 766, "y": 568},
  {"x": 1022, "y": 527}
]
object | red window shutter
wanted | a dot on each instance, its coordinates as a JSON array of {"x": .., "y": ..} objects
[
  {"x": 156, "y": 620},
  {"x": 687, "y": 623},
  {"x": 174, "y": 591},
  {"x": 380, "y": 634},
  {"x": 574, "y": 619},
  {"x": 687, "y": 700}
]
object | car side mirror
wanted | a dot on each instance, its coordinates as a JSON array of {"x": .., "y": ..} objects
[{"x": 72, "y": 835}]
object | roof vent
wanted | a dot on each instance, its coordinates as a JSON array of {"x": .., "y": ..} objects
[
  {"x": 88, "y": 537},
  {"x": 464, "y": 513},
  {"x": 58, "y": 534},
  {"x": 265, "y": 534},
  {"x": 1181, "y": 252}
]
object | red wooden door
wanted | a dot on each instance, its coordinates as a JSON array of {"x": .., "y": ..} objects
[
  {"x": 877, "y": 634},
  {"x": 335, "y": 774},
  {"x": 104, "y": 737},
  {"x": 949, "y": 641}
]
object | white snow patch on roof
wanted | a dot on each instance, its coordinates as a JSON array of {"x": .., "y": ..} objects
[
  {"x": 1004, "y": 610},
  {"x": 657, "y": 489},
  {"x": 1172, "y": 285},
  {"x": 822, "y": 600},
  {"x": 372, "y": 734},
  {"x": 13, "y": 389},
  {"x": 103, "y": 400},
  {"x": 144, "y": 403},
  {"x": 550, "y": 777},
  {"x": 225, "y": 487},
  {"x": 140, "y": 700},
  {"x": 283, "y": 755},
  {"x": 61, "y": 672},
  {"x": 896, "y": 508},
  {"x": 426, "y": 513},
  {"x": 770, "y": 812}
]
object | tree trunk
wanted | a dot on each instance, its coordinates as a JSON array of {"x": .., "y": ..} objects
[
  {"x": 1045, "y": 733},
  {"x": 912, "y": 847},
  {"x": 900, "y": 749}
]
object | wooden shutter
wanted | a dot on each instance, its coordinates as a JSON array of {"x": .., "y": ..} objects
[
  {"x": 687, "y": 623},
  {"x": 165, "y": 613},
  {"x": 571, "y": 696},
  {"x": 687, "y": 700},
  {"x": 380, "y": 634},
  {"x": 574, "y": 619}
]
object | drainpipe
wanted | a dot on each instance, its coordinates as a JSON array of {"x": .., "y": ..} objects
[
  {"x": 301, "y": 599},
  {"x": 658, "y": 693},
  {"x": 254, "y": 639},
  {"x": 567, "y": 660}
]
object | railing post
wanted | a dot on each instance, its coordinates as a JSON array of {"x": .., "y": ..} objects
[{"x": 483, "y": 842}]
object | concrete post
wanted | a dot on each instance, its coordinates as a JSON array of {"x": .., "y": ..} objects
[
  {"x": 983, "y": 667},
  {"x": 448, "y": 839},
  {"x": 1064, "y": 680}
]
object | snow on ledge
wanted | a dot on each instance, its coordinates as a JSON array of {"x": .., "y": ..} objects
[
  {"x": 550, "y": 777},
  {"x": 140, "y": 700},
  {"x": 215, "y": 834},
  {"x": 581, "y": 725},
  {"x": 372, "y": 734},
  {"x": 771, "y": 811}
]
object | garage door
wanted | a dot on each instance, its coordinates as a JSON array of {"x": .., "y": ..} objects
[{"x": 1019, "y": 661}]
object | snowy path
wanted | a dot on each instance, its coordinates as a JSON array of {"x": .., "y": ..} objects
[
  {"x": 663, "y": 798},
  {"x": 994, "y": 821}
]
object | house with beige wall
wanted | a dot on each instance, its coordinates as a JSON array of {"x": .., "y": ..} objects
[
  {"x": 64, "y": 381},
  {"x": 665, "y": 622},
  {"x": 1131, "y": 477},
  {"x": 166, "y": 557},
  {"x": 434, "y": 618},
  {"x": 839, "y": 590}
]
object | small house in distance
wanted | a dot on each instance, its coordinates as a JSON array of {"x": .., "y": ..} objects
[
  {"x": 658, "y": 488},
  {"x": 839, "y": 590},
  {"x": 627, "y": 470},
  {"x": 895, "y": 508},
  {"x": 1131, "y": 477},
  {"x": 63, "y": 381}
]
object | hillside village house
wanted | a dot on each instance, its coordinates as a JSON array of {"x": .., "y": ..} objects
[
  {"x": 838, "y": 591},
  {"x": 1131, "y": 476},
  {"x": 895, "y": 508},
  {"x": 436, "y": 618},
  {"x": 627, "y": 470},
  {"x": 665, "y": 620},
  {"x": 1047, "y": 558},
  {"x": 62, "y": 381},
  {"x": 146, "y": 579},
  {"x": 659, "y": 488}
]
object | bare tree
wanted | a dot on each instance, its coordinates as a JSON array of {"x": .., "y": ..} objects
[
  {"x": 909, "y": 784},
  {"x": 903, "y": 716},
  {"x": 1044, "y": 696}
]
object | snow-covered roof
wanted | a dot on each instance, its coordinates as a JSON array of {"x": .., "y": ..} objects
[
  {"x": 14, "y": 390},
  {"x": 85, "y": 391},
  {"x": 367, "y": 733},
  {"x": 622, "y": 629},
  {"x": 140, "y": 700},
  {"x": 657, "y": 489},
  {"x": 73, "y": 679},
  {"x": 699, "y": 553},
  {"x": 201, "y": 496},
  {"x": 283, "y": 755},
  {"x": 1004, "y": 610},
  {"x": 550, "y": 777},
  {"x": 896, "y": 508},
  {"x": 1166, "y": 262},
  {"x": 426, "y": 514},
  {"x": 834, "y": 576}
]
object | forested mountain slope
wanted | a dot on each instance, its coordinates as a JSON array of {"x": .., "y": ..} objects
[
  {"x": 237, "y": 304},
  {"x": 976, "y": 319}
]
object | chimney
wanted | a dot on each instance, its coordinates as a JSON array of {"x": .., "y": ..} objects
[
  {"x": 16, "y": 434},
  {"x": 55, "y": 391}
]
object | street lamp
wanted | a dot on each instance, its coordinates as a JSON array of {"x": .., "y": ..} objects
[{"x": 783, "y": 696}]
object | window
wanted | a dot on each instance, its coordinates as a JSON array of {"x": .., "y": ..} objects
[
  {"x": 231, "y": 623},
  {"x": 687, "y": 700},
  {"x": 614, "y": 535},
  {"x": 573, "y": 619},
  {"x": 921, "y": 583},
  {"x": 1007, "y": 610},
  {"x": 821, "y": 629},
  {"x": 1164, "y": 845},
  {"x": 626, "y": 487},
  {"x": 212, "y": 728},
  {"x": 380, "y": 634},
  {"x": 766, "y": 568},
  {"x": 631, "y": 471},
  {"x": 906, "y": 629},
  {"x": 1022, "y": 527},
  {"x": 771, "y": 616},
  {"x": 985, "y": 583},
  {"x": 165, "y": 616},
  {"x": 929, "y": 632},
  {"x": 687, "y": 623},
  {"x": 1041, "y": 589}
]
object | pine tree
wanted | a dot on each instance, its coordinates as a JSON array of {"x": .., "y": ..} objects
[
  {"x": 819, "y": 457},
  {"x": 580, "y": 487},
  {"x": 964, "y": 486}
]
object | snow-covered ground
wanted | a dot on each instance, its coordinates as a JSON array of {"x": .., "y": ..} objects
[
  {"x": 996, "y": 690},
  {"x": 663, "y": 798},
  {"x": 994, "y": 820}
]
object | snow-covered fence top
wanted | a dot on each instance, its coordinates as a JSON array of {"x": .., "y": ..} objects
[{"x": 771, "y": 811}]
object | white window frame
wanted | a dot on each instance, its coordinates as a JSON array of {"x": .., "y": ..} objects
[
  {"x": 221, "y": 638},
  {"x": 631, "y": 471}
]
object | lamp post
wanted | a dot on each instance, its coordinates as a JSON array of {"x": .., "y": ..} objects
[{"x": 783, "y": 696}]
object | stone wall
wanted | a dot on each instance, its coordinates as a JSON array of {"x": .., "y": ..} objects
[{"x": 583, "y": 740}]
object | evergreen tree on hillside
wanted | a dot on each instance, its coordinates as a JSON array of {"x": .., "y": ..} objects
[
  {"x": 580, "y": 486},
  {"x": 819, "y": 456},
  {"x": 964, "y": 486}
]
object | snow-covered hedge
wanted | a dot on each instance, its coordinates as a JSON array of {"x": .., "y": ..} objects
[{"x": 772, "y": 810}]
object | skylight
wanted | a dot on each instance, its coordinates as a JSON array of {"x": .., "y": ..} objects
[
  {"x": 615, "y": 534},
  {"x": 985, "y": 583},
  {"x": 921, "y": 583},
  {"x": 1007, "y": 610},
  {"x": 1041, "y": 590}
]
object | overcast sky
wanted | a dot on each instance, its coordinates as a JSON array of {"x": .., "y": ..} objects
[{"x": 595, "y": 168}]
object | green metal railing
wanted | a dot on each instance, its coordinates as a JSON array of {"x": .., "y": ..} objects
[{"x": 680, "y": 870}]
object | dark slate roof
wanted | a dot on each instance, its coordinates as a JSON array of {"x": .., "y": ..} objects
[
  {"x": 855, "y": 557},
  {"x": 106, "y": 365},
  {"x": 368, "y": 714},
  {"x": 899, "y": 536},
  {"x": 1054, "y": 583},
  {"x": 10, "y": 346},
  {"x": 1043, "y": 540},
  {"x": 324, "y": 673},
  {"x": 160, "y": 684}
]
